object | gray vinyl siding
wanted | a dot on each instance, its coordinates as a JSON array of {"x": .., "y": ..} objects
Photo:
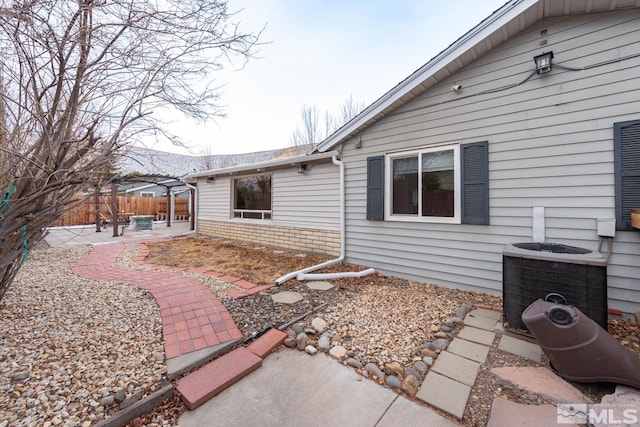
[
  {"x": 550, "y": 144},
  {"x": 214, "y": 199},
  {"x": 311, "y": 200}
]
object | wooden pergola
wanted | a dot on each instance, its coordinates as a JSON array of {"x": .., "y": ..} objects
[{"x": 159, "y": 180}]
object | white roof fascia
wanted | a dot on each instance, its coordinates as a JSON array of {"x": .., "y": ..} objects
[
  {"x": 287, "y": 161},
  {"x": 476, "y": 35}
]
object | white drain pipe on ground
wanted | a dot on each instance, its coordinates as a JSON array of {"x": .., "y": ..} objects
[
  {"x": 329, "y": 276},
  {"x": 302, "y": 273}
]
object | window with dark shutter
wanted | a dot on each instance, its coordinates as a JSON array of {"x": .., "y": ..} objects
[
  {"x": 627, "y": 171},
  {"x": 475, "y": 182},
  {"x": 375, "y": 188}
]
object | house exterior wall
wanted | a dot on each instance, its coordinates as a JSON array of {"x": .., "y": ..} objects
[
  {"x": 305, "y": 210},
  {"x": 550, "y": 145},
  {"x": 322, "y": 242}
]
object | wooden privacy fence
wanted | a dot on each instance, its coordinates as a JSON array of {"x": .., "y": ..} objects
[{"x": 83, "y": 210}]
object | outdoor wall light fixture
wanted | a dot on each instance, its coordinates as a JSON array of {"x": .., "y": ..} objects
[
  {"x": 543, "y": 62},
  {"x": 210, "y": 179},
  {"x": 302, "y": 169},
  {"x": 358, "y": 141}
]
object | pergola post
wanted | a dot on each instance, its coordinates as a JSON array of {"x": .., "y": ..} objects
[
  {"x": 97, "y": 207},
  {"x": 114, "y": 208},
  {"x": 168, "y": 206},
  {"x": 192, "y": 208}
]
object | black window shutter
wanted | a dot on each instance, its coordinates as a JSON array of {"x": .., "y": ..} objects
[
  {"x": 375, "y": 188},
  {"x": 475, "y": 182},
  {"x": 626, "y": 142}
]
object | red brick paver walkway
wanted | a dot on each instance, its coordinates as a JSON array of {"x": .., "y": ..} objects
[{"x": 192, "y": 317}]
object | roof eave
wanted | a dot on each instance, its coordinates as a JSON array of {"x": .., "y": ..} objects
[
  {"x": 386, "y": 103},
  {"x": 262, "y": 165}
]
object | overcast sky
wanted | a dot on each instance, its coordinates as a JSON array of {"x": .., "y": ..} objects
[{"x": 318, "y": 54}]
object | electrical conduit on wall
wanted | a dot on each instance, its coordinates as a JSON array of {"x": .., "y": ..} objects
[{"x": 302, "y": 274}]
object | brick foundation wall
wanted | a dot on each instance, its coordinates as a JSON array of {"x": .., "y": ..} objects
[{"x": 322, "y": 242}]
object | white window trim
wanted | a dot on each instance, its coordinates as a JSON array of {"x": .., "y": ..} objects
[
  {"x": 147, "y": 194},
  {"x": 388, "y": 196},
  {"x": 242, "y": 212}
]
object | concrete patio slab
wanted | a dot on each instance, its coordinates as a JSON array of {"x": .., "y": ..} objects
[
  {"x": 444, "y": 393},
  {"x": 521, "y": 348},
  {"x": 87, "y": 235},
  {"x": 406, "y": 413},
  {"x": 477, "y": 335},
  {"x": 293, "y": 388},
  {"x": 456, "y": 367},
  {"x": 470, "y": 350}
]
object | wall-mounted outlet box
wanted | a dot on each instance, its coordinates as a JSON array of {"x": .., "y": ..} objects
[{"x": 606, "y": 227}]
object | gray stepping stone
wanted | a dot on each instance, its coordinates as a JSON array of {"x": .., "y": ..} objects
[
  {"x": 456, "y": 367},
  {"x": 287, "y": 297},
  {"x": 470, "y": 350},
  {"x": 489, "y": 314},
  {"x": 444, "y": 393},
  {"x": 319, "y": 286},
  {"x": 520, "y": 348},
  {"x": 477, "y": 335},
  {"x": 479, "y": 321}
]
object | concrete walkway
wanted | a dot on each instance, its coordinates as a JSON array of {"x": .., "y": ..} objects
[{"x": 295, "y": 389}]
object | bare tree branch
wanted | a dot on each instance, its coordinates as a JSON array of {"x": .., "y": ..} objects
[
  {"x": 311, "y": 131},
  {"x": 79, "y": 81}
]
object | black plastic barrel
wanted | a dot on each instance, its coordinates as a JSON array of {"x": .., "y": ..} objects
[{"x": 578, "y": 348}]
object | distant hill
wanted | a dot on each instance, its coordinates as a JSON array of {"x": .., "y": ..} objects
[{"x": 146, "y": 161}]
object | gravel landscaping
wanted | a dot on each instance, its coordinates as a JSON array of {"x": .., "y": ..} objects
[{"x": 73, "y": 351}]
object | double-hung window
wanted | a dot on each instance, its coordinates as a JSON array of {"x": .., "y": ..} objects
[
  {"x": 444, "y": 183},
  {"x": 252, "y": 197},
  {"x": 425, "y": 185}
]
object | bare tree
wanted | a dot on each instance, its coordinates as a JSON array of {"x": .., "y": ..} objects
[
  {"x": 311, "y": 131},
  {"x": 207, "y": 158},
  {"x": 79, "y": 80},
  {"x": 349, "y": 109}
]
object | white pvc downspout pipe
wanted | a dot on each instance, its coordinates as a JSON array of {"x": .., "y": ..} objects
[
  {"x": 302, "y": 273},
  {"x": 195, "y": 204}
]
